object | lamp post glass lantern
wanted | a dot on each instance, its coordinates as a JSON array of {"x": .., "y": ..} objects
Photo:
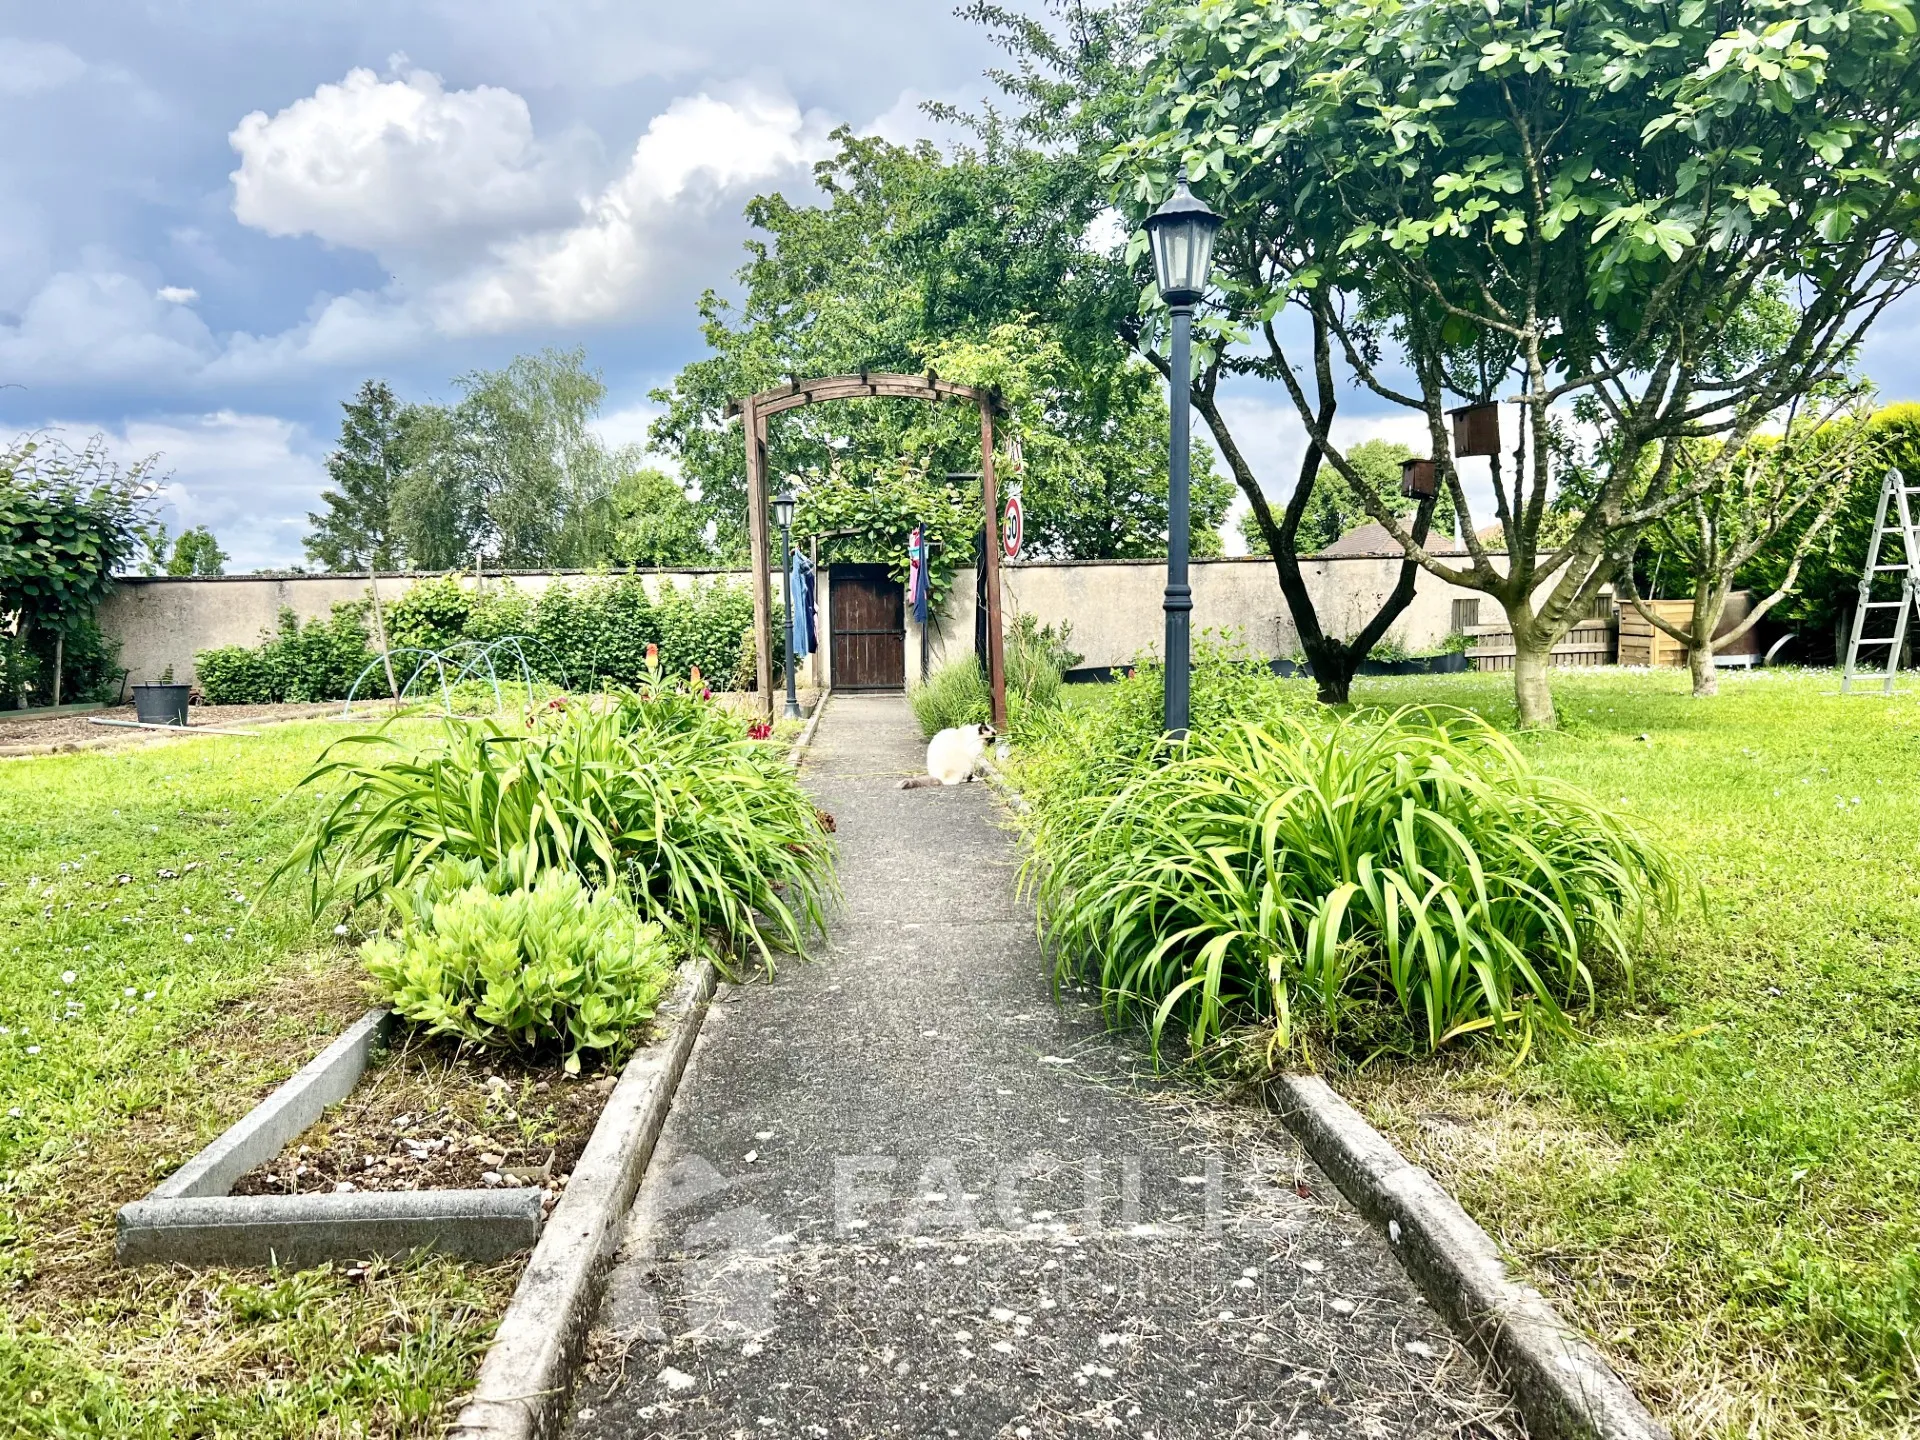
[
  {"x": 1181, "y": 232},
  {"x": 783, "y": 504}
]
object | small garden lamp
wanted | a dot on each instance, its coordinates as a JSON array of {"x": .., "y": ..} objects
[
  {"x": 1182, "y": 232},
  {"x": 783, "y": 504}
]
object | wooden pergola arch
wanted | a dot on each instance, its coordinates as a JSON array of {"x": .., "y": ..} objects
[{"x": 754, "y": 412}]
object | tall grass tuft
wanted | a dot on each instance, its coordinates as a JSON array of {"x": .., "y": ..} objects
[
  {"x": 1037, "y": 659},
  {"x": 661, "y": 796},
  {"x": 1395, "y": 884},
  {"x": 955, "y": 694}
]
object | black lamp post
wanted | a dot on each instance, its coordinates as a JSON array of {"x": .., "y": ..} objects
[
  {"x": 783, "y": 515},
  {"x": 1182, "y": 232}
]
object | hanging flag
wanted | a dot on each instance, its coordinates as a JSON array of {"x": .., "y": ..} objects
[{"x": 918, "y": 582}]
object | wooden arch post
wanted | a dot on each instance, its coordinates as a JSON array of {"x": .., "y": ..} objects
[{"x": 754, "y": 412}]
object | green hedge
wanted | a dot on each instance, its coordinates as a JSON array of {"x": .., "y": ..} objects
[
  {"x": 583, "y": 637},
  {"x": 316, "y": 661}
]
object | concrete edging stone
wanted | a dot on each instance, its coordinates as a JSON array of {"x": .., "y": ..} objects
[
  {"x": 1562, "y": 1385},
  {"x": 525, "y": 1380},
  {"x": 813, "y": 723},
  {"x": 299, "y": 1230}
]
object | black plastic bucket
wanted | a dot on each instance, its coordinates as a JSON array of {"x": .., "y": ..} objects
[{"x": 161, "y": 704}]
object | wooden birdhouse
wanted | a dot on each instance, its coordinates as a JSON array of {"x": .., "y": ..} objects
[
  {"x": 1417, "y": 479},
  {"x": 1476, "y": 429}
]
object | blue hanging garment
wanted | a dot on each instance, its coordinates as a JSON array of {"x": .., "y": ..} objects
[
  {"x": 918, "y": 582},
  {"x": 801, "y": 623}
]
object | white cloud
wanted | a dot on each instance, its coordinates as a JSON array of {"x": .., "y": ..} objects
[
  {"x": 1107, "y": 233},
  {"x": 250, "y": 478},
  {"x": 700, "y": 153},
  {"x": 99, "y": 323},
  {"x": 906, "y": 120},
  {"x": 396, "y": 164},
  {"x": 627, "y": 425},
  {"x": 28, "y": 67},
  {"x": 482, "y": 227}
]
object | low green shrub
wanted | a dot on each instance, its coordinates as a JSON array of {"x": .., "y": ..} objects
[
  {"x": 87, "y": 660},
  {"x": 583, "y": 636},
  {"x": 591, "y": 633},
  {"x": 318, "y": 660},
  {"x": 658, "y": 794},
  {"x": 1037, "y": 659},
  {"x": 233, "y": 675},
  {"x": 1396, "y": 882},
  {"x": 523, "y": 970}
]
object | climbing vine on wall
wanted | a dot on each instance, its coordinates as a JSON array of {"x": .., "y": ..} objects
[{"x": 881, "y": 511}]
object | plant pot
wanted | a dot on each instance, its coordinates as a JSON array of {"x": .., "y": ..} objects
[
  {"x": 1453, "y": 662},
  {"x": 161, "y": 704}
]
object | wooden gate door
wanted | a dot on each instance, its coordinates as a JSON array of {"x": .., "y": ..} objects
[{"x": 868, "y": 629}]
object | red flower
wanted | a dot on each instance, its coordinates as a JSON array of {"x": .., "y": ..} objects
[{"x": 760, "y": 731}]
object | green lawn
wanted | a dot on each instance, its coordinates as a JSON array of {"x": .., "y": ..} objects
[
  {"x": 1721, "y": 1176},
  {"x": 142, "y": 1012}
]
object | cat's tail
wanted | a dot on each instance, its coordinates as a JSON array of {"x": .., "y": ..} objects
[{"x": 920, "y": 782}]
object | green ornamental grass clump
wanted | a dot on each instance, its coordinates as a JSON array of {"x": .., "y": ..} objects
[
  {"x": 955, "y": 694},
  {"x": 1396, "y": 883},
  {"x": 548, "y": 962},
  {"x": 1037, "y": 658},
  {"x": 658, "y": 795}
]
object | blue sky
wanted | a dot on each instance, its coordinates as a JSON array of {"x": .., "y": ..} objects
[{"x": 221, "y": 215}]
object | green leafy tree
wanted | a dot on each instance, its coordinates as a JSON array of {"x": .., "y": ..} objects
[
  {"x": 1075, "y": 83},
  {"x": 1779, "y": 495},
  {"x": 522, "y": 446},
  {"x": 654, "y": 523},
  {"x": 1334, "y": 509},
  {"x": 866, "y": 518},
  {"x": 510, "y": 473},
  {"x": 1091, "y": 490},
  {"x": 196, "y": 552},
  {"x": 1463, "y": 201},
  {"x": 1819, "y": 603},
  {"x": 355, "y": 531},
  {"x": 438, "y": 515},
  {"x": 68, "y": 519},
  {"x": 978, "y": 264}
]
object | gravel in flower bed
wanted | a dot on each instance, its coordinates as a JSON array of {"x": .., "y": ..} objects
[{"x": 430, "y": 1116}]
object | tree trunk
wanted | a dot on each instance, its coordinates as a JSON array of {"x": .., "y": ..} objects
[
  {"x": 1532, "y": 658},
  {"x": 1334, "y": 666},
  {"x": 1706, "y": 679},
  {"x": 1708, "y": 606}
]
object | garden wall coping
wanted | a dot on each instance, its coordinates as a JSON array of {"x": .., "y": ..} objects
[{"x": 1562, "y": 1384}]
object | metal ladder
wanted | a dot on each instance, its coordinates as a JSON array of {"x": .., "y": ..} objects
[{"x": 1897, "y": 490}]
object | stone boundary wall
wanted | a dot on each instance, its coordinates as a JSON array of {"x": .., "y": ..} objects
[
  {"x": 164, "y": 620},
  {"x": 1113, "y": 605}
]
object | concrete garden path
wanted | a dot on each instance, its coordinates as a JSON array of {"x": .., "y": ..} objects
[{"x": 903, "y": 1193}]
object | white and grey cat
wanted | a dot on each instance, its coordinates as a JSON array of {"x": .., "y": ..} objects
[{"x": 954, "y": 756}]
